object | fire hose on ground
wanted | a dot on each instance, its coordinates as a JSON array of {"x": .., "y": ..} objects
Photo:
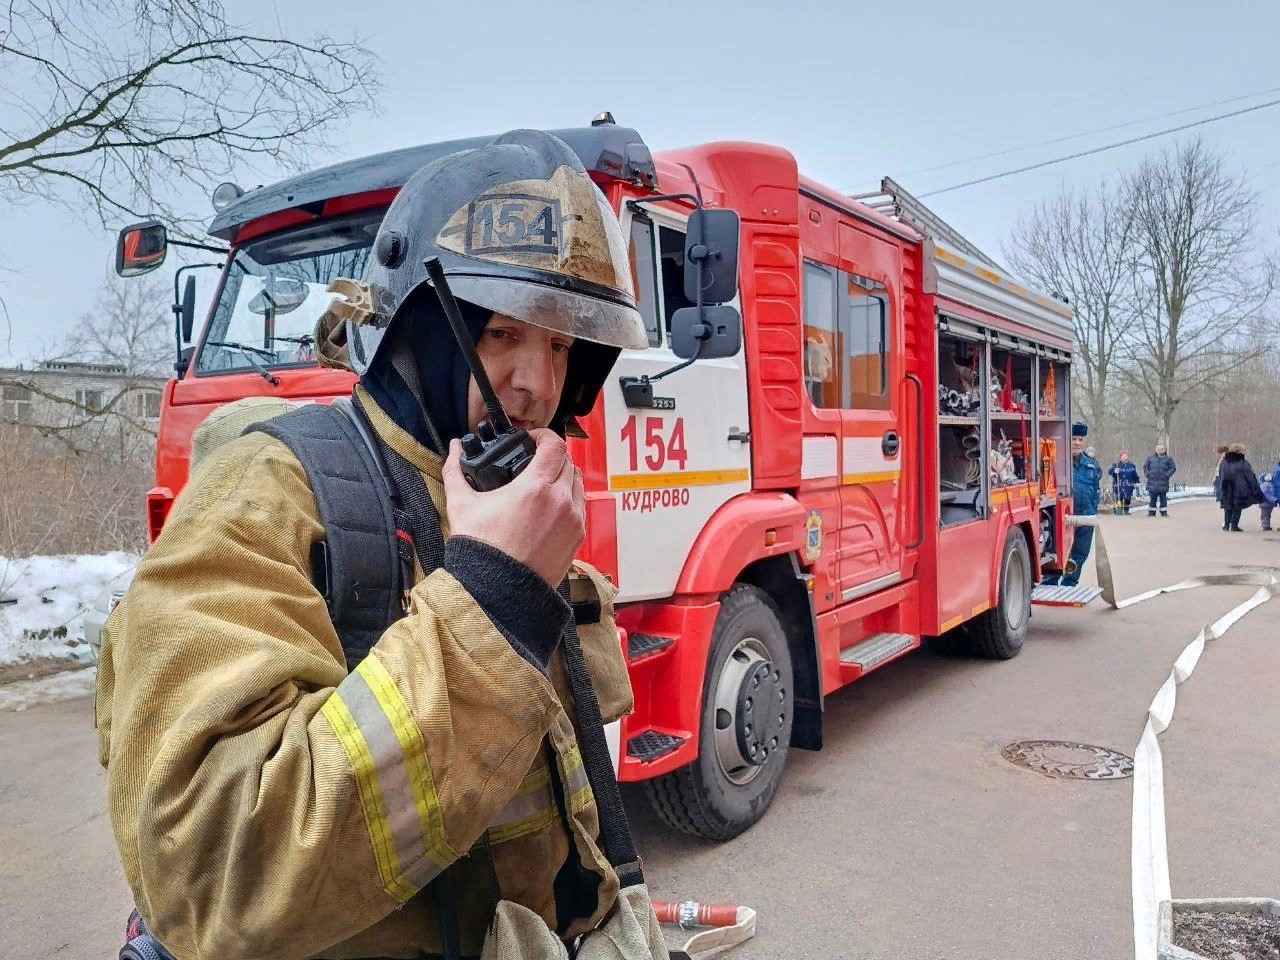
[
  {"x": 728, "y": 926},
  {"x": 1149, "y": 848}
]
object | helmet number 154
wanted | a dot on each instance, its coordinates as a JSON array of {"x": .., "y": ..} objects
[{"x": 513, "y": 223}]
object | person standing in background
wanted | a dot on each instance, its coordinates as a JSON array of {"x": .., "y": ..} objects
[
  {"x": 1086, "y": 493},
  {"x": 1217, "y": 475},
  {"x": 1124, "y": 477},
  {"x": 1240, "y": 487},
  {"x": 1267, "y": 485},
  {"x": 1159, "y": 470}
]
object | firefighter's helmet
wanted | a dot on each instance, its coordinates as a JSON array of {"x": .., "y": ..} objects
[{"x": 520, "y": 230}]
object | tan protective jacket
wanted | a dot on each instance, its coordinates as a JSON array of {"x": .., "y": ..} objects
[{"x": 269, "y": 805}]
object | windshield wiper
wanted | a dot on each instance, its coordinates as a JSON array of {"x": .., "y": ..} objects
[{"x": 248, "y": 352}]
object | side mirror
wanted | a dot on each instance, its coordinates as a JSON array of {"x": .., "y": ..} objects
[
  {"x": 187, "y": 311},
  {"x": 712, "y": 242},
  {"x": 707, "y": 335},
  {"x": 141, "y": 248}
]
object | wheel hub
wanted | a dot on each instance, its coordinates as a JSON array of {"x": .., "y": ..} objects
[
  {"x": 757, "y": 703},
  {"x": 751, "y": 705}
]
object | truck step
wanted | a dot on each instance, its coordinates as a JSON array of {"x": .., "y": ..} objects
[
  {"x": 876, "y": 649},
  {"x": 650, "y": 745},
  {"x": 1046, "y": 595},
  {"x": 642, "y": 645}
]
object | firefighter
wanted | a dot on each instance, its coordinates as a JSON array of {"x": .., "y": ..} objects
[
  {"x": 1086, "y": 494},
  {"x": 267, "y": 801}
]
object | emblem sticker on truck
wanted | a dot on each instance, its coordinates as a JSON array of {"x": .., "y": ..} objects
[{"x": 813, "y": 535}]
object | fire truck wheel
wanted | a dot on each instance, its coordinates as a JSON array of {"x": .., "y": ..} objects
[
  {"x": 998, "y": 633},
  {"x": 746, "y": 725}
]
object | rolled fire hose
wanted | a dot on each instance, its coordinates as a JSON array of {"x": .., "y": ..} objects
[
  {"x": 729, "y": 926},
  {"x": 1149, "y": 848}
]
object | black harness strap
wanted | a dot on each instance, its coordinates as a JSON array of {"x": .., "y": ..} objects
[
  {"x": 615, "y": 831},
  {"x": 358, "y": 566}
]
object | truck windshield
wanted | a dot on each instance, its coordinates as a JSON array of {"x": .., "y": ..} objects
[{"x": 274, "y": 291}]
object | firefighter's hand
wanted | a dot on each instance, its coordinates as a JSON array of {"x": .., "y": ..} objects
[{"x": 538, "y": 519}]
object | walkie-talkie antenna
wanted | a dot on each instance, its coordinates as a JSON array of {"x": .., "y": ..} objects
[{"x": 497, "y": 416}]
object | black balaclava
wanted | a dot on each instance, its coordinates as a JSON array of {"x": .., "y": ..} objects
[{"x": 442, "y": 373}]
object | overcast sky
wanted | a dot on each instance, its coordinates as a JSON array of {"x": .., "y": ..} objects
[{"x": 854, "y": 90}]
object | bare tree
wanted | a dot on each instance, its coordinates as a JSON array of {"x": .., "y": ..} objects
[
  {"x": 130, "y": 329},
  {"x": 114, "y": 102},
  {"x": 130, "y": 326},
  {"x": 1203, "y": 284},
  {"x": 1082, "y": 246}
]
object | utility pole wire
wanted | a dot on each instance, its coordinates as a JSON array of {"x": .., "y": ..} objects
[
  {"x": 1090, "y": 133},
  {"x": 1110, "y": 146}
]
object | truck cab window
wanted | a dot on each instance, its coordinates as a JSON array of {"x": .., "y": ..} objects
[
  {"x": 275, "y": 289},
  {"x": 822, "y": 346},
  {"x": 645, "y": 277},
  {"x": 657, "y": 267},
  {"x": 671, "y": 258},
  {"x": 865, "y": 324}
]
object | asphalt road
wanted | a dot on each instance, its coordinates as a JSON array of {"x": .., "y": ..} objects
[{"x": 908, "y": 837}]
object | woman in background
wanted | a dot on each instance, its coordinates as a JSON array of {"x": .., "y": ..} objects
[
  {"x": 1239, "y": 487},
  {"x": 1124, "y": 477}
]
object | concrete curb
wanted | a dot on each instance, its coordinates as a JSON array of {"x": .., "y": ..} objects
[{"x": 1165, "y": 945}]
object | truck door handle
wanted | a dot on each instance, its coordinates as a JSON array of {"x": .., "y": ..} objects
[
  {"x": 890, "y": 443},
  {"x": 740, "y": 437}
]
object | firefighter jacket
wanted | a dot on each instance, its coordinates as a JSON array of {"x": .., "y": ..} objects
[{"x": 267, "y": 804}]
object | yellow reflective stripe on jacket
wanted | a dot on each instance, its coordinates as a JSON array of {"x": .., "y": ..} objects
[
  {"x": 532, "y": 808},
  {"x": 576, "y": 785},
  {"x": 389, "y": 760}
]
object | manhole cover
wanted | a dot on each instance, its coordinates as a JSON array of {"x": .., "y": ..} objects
[{"x": 1061, "y": 758}]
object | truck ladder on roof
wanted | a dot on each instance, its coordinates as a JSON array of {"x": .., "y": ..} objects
[{"x": 894, "y": 202}]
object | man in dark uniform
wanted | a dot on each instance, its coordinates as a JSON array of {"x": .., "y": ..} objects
[{"x": 1086, "y": 492}]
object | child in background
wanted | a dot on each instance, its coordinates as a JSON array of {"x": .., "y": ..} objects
[{"x": 1267, "y": 483}]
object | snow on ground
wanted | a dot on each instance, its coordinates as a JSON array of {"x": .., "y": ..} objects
[
  {"x": 21, "y": 694},
  {"x": 51, "y": 595}
]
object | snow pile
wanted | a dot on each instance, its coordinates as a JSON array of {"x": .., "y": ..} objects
[
  {"x": 19, "y": 695},
  {"x": 43, "y": 601}
]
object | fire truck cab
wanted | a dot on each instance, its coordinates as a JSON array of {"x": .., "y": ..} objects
[{"x": 884, "y": 459}]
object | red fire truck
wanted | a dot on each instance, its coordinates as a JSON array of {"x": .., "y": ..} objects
[{"x": 885, "y": 459}]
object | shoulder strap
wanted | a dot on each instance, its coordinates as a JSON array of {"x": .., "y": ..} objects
[
  {"x": 414, "y": 509},
  {"x": 358, "y": 566},
  {"x": 615, "y": 831}
]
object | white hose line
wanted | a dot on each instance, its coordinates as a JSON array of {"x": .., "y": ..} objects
[
  {"x": 1149, "y": 850},
  {"x": 712, "y": 943}
]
